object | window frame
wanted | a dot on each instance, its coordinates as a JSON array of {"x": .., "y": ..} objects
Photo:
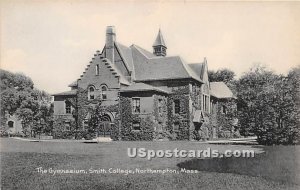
[
  {"x": 91, "y": 93},
  {"x": 68, "y": 107},
  {"x": 97, "y": 69},
  {"x": 135, "y": 105},
  {"x": 160, "y": 107},
  {"x": 176, "y": 124},
  {"x": 176, "y": 107},
  {"x": 134, "y": 124},
  {"x": 103, "y": 92}
]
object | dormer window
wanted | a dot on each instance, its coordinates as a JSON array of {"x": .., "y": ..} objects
[{"x": 91, "y": 93}]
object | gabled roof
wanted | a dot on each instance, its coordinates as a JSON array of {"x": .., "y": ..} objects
[
  {"x": 66, "y": 93},
  {"x": 220, "y": 90},
  {"x": 160, "y": 68},
  {"x": 126, "y": 54},
  {"x": 146, "y": 53},
  {"x": 142, "y": 87},
  {"x": 198, "y": 68},
  {"x": 159, "y": 41}
]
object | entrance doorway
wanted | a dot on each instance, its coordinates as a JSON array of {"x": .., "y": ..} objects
[{"x": 105, "y": 126}]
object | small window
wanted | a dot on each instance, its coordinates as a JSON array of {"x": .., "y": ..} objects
[
  {"x": 67, "y": 126},
  {"x": 97, "y": 69},
  {"x": 160, "y": 110},
  {"x": 136, "y": 126},
  {"x": 85, "y": 124},
  {"x": 205, "y": 100},
  {"x": 10, "y": 124},
  {"x": 223, "y": 109},
  {"x": 91, "y": 93},
  {"x": 136, "y": 105},
  {"x": 176, "y": 106},
  {"x": 104, "y": 88},
  {"x": 103, "y": 92},
  {"x": 68, "y": 107},
  {"x": 176, "y": 127}
]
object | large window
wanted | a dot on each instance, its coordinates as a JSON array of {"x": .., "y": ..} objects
[
  {"x": 68, "y": 107},
  {"x": 136, "y": 107},
  {"x": 91, "y": 93},
  {"x": 176, "y": 106}
]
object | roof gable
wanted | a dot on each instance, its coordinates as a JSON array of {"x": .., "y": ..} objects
[{"x": 220, "y": 90}]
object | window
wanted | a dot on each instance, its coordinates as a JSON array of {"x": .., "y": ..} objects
[
  {"x": 176, "y": 106},
  {"x": 10, "y": 124},
  {"x": 97, "y": 69},
  {"x": 91, "y": 93},
  {"x": 205, "y": 101},
  {"x": 68, "y": 107},
  {"x": 85, "y": 124},
  {"x": 67, "y": 125},
  {"x": 176, "y": 127},
  {"x": 223, "y": 109},
  {"x": 160, "y": 110},
  {"x": 198, "y": 100},
  {"x": 103, "y": 92},
  {"x": 136, "y": 105},
  {"x": 136, "y": 126}
]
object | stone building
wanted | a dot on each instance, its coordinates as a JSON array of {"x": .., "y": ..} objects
[{"x": 146, "y": 96}]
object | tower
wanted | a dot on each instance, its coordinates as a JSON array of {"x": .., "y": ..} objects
[{"x": 159, "y": 46}]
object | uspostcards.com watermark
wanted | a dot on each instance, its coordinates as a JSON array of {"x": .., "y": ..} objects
[{"x": 178, "y": 153}]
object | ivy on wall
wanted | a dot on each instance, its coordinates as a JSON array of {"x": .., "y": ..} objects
[
  {"x": 127, "y": 118},
  {"x": 182, "y": 119}
]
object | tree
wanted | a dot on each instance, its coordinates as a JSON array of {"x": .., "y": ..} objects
[
  {"x": 19, "y": 97},
  {"x": 222, "y": 75},
  {"x": 226, "y": 76},
  {"x": 267, "y": 106}
]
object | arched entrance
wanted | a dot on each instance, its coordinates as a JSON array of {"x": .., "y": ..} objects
[{"x": 105, "y": 126}]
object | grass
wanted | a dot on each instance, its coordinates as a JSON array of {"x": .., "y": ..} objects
[{"x": 275, "y": 169}]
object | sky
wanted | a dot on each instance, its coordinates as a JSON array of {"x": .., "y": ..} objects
[{"x": 53, "y": 41}]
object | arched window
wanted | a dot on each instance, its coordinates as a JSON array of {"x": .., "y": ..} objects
[
  {"x": 104, "y": 88},
  {"x": 103, "y": 92},
  {"x": 91, "y": 93}
]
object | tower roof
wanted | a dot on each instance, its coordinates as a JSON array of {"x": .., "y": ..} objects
[{"x": 159, "y": 40}]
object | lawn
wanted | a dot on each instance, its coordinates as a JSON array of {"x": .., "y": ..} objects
[{"x": 276, "y": 168}]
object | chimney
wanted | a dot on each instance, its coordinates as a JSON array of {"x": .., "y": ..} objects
[{"x": 110, "y": 42}]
